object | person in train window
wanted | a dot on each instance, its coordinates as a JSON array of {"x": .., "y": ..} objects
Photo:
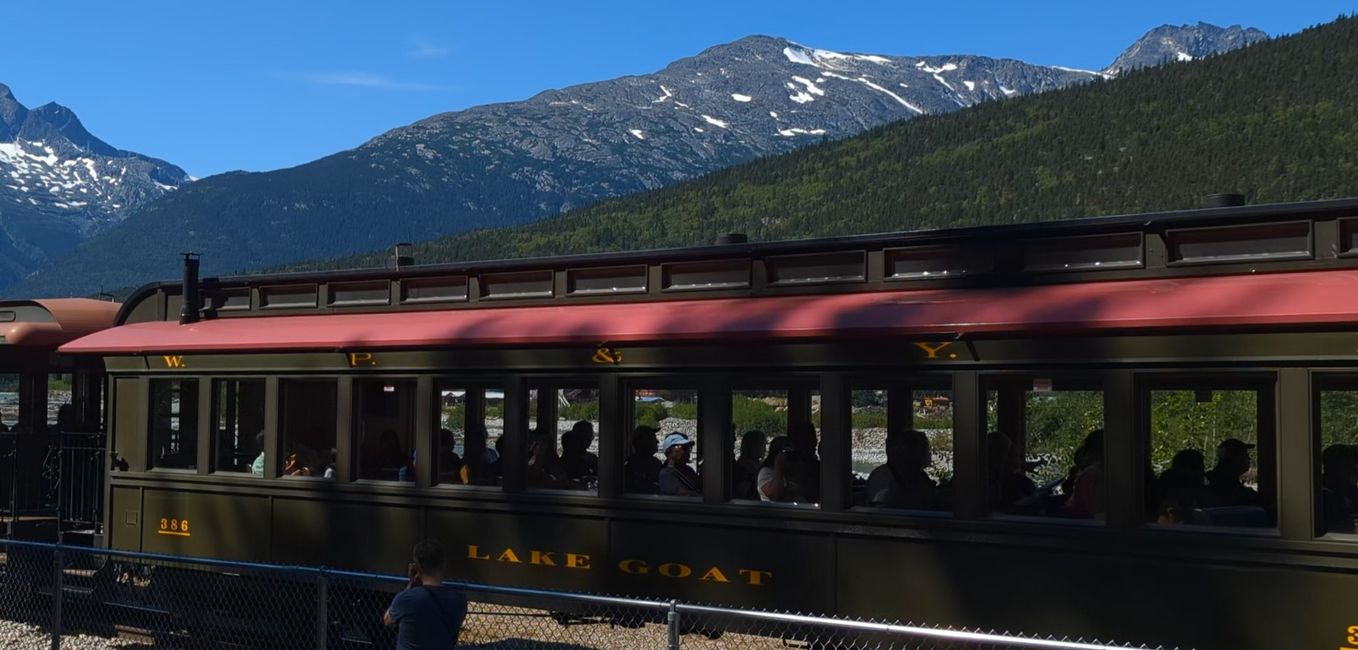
[
  {"x": 901, "y": 482},
  {"x": 406, "y": 473},
  {"x": 1224, "y": 486},
  {"x": 1182, "y": 487},
  {"x": 544, "y": 467},
  {"x": 1339, "y": 487},
  {"x": 775, "y": 481},
  {"x": 1011, "y": 491},
  {"x": 641, "y": 472},
  {"x": 804, "y": 464},
  {"x": 677, "y": 477},
  {"x": 450, "y": 464},
  {"x": 257, "y": 467},
  {"x": 1086, "y": 491},
  {"x": 576, "y": 459},
  {"x": 478, "y": 468},
  {"x": 328, "y": 464},
  {"x": 745, "y": 472}
]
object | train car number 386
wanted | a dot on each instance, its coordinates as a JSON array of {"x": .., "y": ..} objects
[{"x": 174, "y": 527}]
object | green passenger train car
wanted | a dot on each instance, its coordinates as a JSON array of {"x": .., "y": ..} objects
[{"x": 1137, "y": 427}]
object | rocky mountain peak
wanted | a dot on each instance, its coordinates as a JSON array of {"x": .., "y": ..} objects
[
  {"x": 59, "y": 183},
  {"x": 1168, "y": 43}
]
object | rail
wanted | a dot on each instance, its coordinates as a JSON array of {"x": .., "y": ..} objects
[
  {"x": 55, "y": 595},
  {"x": 55, "y": 476}
]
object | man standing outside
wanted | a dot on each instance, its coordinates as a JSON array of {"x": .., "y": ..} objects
[{"x": 427, "y": 614}]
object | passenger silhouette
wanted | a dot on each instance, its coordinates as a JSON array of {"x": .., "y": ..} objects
[
  {"x": 642, "y": 469},
  {"x": 901, "y": 482},
  {"x": 1224, "y": 485},
  {"x": 745, "y": 472}
]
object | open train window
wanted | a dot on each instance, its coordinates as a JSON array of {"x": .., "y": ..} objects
[
  {"x": 174, "y": 423},
  {"x": 563, "y": 443},
  {"x": 308, "y": 430},
  {"x": 664, "y": 416},
  {"x": 787, "y": 417},
  {"x": 1336, "y": 476},
  {"x": 471, "y": 427},
  {"x": 384, "y": 429},
  {"x": 1212, "y": 452},
  {"x": 61, "y": 415},
  {"x": 238, "y": 425},
  {"x": 9, "y": 401},
  {"x": 901, "y": 445},
  {"x": 1044, "y": 446}
]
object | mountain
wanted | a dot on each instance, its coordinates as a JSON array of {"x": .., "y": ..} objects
[
  {"x": 507, "y": 164},
  {"x": 59, "y": 184},
  {"x": 1151, "y": 139},
  {"x": 1183, "y": 43}
]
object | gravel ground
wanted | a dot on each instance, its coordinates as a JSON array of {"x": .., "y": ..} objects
[
  {"x": 495, "y": 626},
  {"x": 21, "y": 636}
]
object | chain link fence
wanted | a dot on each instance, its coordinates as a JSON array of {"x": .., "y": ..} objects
[{"x": 56, "y": 596}]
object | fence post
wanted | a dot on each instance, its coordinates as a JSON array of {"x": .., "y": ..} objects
[
  {"x": 322, "y": 610},
  {"x": 58, "y": 587},
  {"x": 672, "y": 625}
]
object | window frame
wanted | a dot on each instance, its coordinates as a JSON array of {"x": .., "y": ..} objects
[
  {"x": 213, "y": 451},
  {"x": 1265, "y": 383},
  {"x": 195, "y": 432}
]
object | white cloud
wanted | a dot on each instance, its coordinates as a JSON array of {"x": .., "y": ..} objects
[
  {"x": 365, "y": 80},
  {"x": 423, "y": 49}
]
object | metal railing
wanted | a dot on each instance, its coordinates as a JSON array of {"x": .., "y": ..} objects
[
  {"x": 53, "y": 475},
  {"x": 61, "y": 596}
]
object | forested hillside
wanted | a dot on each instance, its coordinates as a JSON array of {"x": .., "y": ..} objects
[{"x": 1277, "y": 121}]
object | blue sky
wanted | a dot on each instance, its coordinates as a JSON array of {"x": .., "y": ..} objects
[{"x": 217, "y": 86}]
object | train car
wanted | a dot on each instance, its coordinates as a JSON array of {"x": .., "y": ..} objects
[
  {"x": 51, "y": 440},
  {"x": 1137, "y": 427}
]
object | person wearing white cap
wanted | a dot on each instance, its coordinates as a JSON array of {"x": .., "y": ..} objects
[{"x": 676, "y": 477}]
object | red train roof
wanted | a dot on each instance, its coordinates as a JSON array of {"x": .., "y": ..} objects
[{"x": 1283, "y": 299}]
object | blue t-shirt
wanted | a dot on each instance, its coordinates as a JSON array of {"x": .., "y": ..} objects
[{"x": 422, "y": 624}]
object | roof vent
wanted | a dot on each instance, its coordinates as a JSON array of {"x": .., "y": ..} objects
[
  {"x": 732, "y": 238},
  {"x": 1225, "y": 200},
  {"x": 402, "y": 255},
  {"x": 188, "y": 313}
]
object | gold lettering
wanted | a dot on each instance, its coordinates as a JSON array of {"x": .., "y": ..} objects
[
  {"x": 755, "y": 578},
  {"x": 606, "y": 355},
  {"x": 474, "y": 553},
  {"x": 1353, "y": 634},
  {"x": 173, "y": 361},
  {"x": 634, "y": 567},
  {"x": 714, "y": 575},
  {"x": 508, "y": 556},
  {"x": 932, "y": 350},
  {"x": 540, "y": 557},
  {"x": 674, "y": 570},
  {"x": 577, "y": 561},
  {"x": 357, "y": 359}
]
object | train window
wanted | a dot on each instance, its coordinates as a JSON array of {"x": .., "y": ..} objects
[
  {"x": 1045, "y": 447},
  {"x": 384, "y": 429},
  {"x": 664, "y": 417},
  {"x": 901, "y": 445},
  {"x": 9, "y": 401},
  {"x": 238, "y": 425},
  {"x": 61, "y": 415},
  {"x": 1337, "y": 476},
  {"x": 1211, "y": 457},
  {"x": 307, "y": 408},
  {"x": 789, "y": 469},
  {"x": 470, "y": 427},
  {"x": 562, "y": 443},
  {"x": 174, "y": 423}
]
